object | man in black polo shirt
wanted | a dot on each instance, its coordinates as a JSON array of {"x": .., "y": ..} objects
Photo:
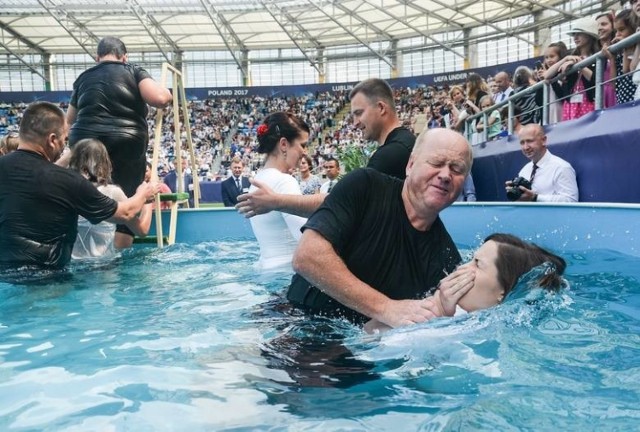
[
  {"x": 109, "y": 103},
  {"x": 377, "y": 246},
  {"x": 374, "y": 112},
  {"x": 40, "y": 201}
]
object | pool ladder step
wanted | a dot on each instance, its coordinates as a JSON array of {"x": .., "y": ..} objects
[{"x": 175, "y": 200}]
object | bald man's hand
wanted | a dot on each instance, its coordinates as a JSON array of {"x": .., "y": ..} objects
[{"x": 261, "y": 201}]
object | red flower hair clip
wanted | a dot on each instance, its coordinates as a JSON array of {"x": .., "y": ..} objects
[{"x": 262, "y": 130}]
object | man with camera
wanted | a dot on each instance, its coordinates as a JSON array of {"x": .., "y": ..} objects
[{"x": 546, "y": 178}]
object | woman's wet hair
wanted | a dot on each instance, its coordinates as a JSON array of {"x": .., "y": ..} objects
[
  {"x": 279, "y": 125},
  {"x": 516, "y": 257},
  {"x": 90, "y": 158}
]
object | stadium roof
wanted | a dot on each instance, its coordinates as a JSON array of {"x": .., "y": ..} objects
[{"x": 169, "y": 26}]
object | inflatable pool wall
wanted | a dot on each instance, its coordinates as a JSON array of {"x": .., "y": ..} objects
[{"x": 561, "y": 227}]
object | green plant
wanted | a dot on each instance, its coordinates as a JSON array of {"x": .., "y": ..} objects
[{"x": 355, "y": 155}]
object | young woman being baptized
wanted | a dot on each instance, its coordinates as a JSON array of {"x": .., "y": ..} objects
[{"x": 487, "y": 279}]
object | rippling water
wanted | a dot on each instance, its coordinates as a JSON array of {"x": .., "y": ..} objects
[{"x": 190, "y": 338}]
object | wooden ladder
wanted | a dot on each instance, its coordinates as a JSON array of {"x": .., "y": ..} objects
[{"x": 181, "y": 198}]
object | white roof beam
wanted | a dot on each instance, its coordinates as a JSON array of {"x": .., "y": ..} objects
[
  {"x": 21, "y": 39},
  {"x": 353, "y": 35},
  {"x": 354, "y": 15},
  {"x": 229, "y": 37},
  {"x": 154, "y": 29},
  {"x": 23, "y": 61},
  {"x": 417, "y": 30},
  {"x": 77, "y": 30},
  {"x": 468, "y": 15},
  {"x": 297, "y": 32}
]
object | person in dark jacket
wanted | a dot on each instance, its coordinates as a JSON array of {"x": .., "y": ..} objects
[{"x": 109, "y": 103}]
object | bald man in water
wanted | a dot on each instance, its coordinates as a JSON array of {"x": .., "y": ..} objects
[{"x": 376, "y": 246}]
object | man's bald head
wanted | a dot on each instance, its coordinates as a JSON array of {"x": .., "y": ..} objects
[{"x": 433, "y": 139}]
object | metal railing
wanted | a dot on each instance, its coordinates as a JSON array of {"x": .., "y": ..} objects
[{"x": 598, "y": 58}]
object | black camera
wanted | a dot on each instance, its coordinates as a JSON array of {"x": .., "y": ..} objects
[{"x": 514, "y": 192}]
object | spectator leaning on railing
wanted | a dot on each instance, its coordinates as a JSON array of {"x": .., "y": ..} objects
[{"x": 578, "y": 87}]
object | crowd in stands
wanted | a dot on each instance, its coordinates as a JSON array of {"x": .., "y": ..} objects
[
  {"x": 223, "y": 129},
  {"x": 572, "y": 95}
]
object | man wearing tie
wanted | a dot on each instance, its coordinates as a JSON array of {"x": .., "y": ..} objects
[
  {"x": 332, "y": 170},
  {"x": 552, "y": 178},
  {"x": 235, "y": 184},
  {"x": 502, "y": 82},
  {"x": 171, "y": 180}
]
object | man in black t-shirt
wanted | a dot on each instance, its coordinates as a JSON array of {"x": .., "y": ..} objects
[
  {"x": 40, "y": 201},
  {"x": 374, "y": 112},
  {"x": 109, "y": 103},
  {"x": 377, "y": 246}
]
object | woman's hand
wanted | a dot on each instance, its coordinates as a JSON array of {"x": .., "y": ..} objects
[
  {"x": 566, "y": 66},
  {"x": 471, "y": 105},
  {"x": 606, "y": 52}
]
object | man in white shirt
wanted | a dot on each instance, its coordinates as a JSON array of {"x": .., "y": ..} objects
[
  {"x": 552, "y": 179},
  {"x": 332, "y": 170},
  {"x": 502, "y": 83}
]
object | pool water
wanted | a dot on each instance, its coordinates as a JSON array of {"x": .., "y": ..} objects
[{"x": 190, "y": 338}]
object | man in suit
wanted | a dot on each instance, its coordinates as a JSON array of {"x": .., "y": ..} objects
[
  {"x": 332, "y": 171},
  {"x": 503, "y": 85},
  {"x": 171, "y": 180},
  {"x": 235, "y": 185}
]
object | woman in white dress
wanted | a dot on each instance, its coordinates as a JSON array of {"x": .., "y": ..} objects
[
  {"x": 283, "y": 138},
  {"x": 90, "y": 158}
]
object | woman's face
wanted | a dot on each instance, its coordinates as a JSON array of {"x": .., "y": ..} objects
[
  {"x": 486, "y": 291},
  {"x": 605, "y": 29},
  {"x": 304, "y": 166},
  {"x": 581, "y": 40},
  {"x": 551, "y": 57},
  {"x": 622, "y": 31},
  {"x": 457, "y": 96},
  {"x": 295, "y": 150}
]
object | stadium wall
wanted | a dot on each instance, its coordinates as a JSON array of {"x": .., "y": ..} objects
[
  {"x": 603, "y": 147},
  {"x": 202, "y": 93}
]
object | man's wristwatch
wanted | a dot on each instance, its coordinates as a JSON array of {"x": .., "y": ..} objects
[{"x": 535, "y": 197}]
